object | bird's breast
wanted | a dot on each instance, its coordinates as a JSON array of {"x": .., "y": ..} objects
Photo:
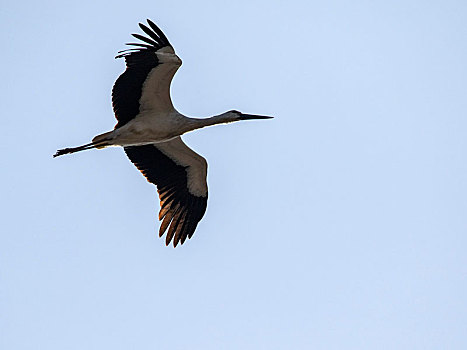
[{"x": 146, "y": 129}]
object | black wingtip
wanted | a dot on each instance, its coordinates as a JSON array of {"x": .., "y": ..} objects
[
  {"x": 158, "y": 31},
  {"x": 156, "y": 39}
]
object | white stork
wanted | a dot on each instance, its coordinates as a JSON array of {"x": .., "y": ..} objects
[{"x": 149, "y": 128}]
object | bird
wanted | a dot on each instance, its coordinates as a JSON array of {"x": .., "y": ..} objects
[{"x": 149, "y": 129}]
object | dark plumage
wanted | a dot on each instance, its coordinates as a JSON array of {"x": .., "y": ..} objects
[{"x": 177, "y": 202}]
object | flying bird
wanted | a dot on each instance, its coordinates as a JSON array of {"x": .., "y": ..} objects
[{"x": 149, "y": 129}]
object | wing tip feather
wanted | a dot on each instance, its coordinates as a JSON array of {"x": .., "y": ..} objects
[{"x": 156, "y": 40}]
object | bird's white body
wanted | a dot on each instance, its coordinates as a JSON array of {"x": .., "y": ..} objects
[
  {"x": 146, "y": 129},
  {"x": 149, "y": 127},
  {"x": 149, "y": 130}
]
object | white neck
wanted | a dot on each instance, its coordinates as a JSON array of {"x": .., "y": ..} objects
[{"x": 224, "y": 118}]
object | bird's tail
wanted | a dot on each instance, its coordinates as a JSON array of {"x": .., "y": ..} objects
[{"x": 100, "y": 141}]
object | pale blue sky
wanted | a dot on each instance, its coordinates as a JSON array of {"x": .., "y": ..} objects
[{"x": 340, "y": 224}]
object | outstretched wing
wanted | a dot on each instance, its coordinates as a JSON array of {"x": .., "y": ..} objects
[
  {"x": 180, "y": 176},
  {"x": 145, "y": 84}
]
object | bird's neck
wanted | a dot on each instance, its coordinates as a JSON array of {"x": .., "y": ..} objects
[{"x": 227, "y": 117}]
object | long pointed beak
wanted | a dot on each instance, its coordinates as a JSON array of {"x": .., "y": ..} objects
[{"x": 253, "y": 116}]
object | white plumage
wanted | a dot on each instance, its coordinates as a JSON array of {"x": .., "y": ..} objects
[{"x": 149, "y": 129}]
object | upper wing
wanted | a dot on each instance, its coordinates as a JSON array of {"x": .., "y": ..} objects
[
  {"x": 145, "y": 84},
  {"x": 180, "y": 176}
]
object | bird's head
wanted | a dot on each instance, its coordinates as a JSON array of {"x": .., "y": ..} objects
[{"x": 236, "y": 115}]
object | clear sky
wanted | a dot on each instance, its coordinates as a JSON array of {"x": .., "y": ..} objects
[{"x": 340, "y": 224}]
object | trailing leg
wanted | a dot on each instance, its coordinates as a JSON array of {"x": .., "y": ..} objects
[{"x": 85, "y": 147}]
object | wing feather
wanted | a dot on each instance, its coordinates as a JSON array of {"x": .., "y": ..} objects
[
  {"x": 180, "y": 176},
  {"x": 145, "y": 84}
]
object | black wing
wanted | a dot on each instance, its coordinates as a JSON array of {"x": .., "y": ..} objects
[
  {"x": 180, "y": 177},
  {"x": 140, "y": 60}
]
